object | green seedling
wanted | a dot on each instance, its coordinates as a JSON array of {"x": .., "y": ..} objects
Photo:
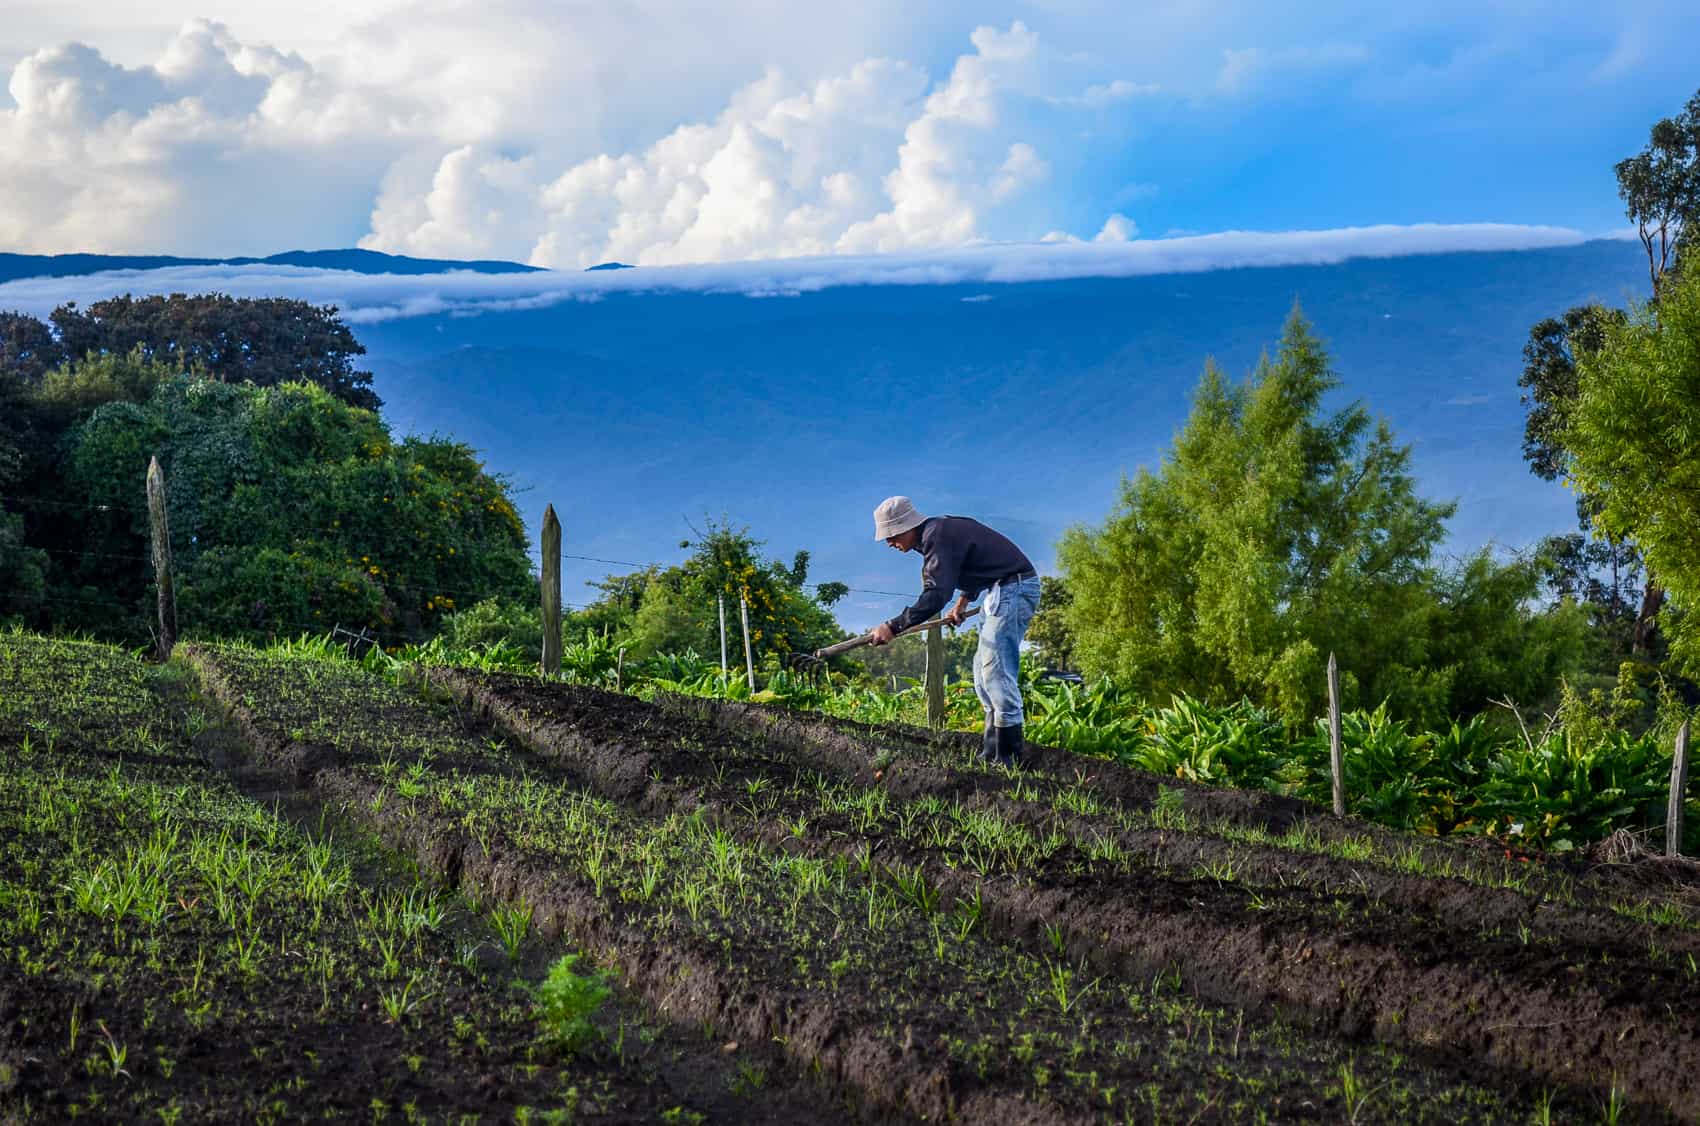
[
  {"x": 512, "y": 925},
  {"x": 567, "y": 1002}
]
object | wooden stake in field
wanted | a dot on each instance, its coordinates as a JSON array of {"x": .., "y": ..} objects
[
  {"x": 935, "y": 677},
  {"x": 1336, "y": 759},
  {"x": 551, "y": 592},
  {"x": 749, "y": 656},
  {"x": 721, "y": 599},
  {"x": 160, "y": 529},
  {"x": 1678, "y": 793}
]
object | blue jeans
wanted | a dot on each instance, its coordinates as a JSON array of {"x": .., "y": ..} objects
[{"x": 1004, "y": 614}]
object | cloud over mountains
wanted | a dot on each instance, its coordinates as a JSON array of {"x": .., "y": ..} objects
[{"x": 368, "y": 298}]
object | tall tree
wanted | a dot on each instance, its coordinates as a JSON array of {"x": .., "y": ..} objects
[
  {"x": 1660, "y": 186},
  {"x": 1632, "y": 441},
  {"x": 1275, "y": 532},
  {"x": 265, "y": 341},
  {"x": 1585, "y": 566},
  {"x": 1660, "y": 189}
]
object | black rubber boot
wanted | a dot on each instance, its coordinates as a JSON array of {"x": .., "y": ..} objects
[
  {"x": 1010, "y": 745},
  {"x": 989, "y": 742}
]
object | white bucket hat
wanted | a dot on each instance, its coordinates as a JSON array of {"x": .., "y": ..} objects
[{"x": 894, "y": 516}]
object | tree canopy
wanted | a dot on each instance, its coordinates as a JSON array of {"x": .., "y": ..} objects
[
  {"x": 291, "y": 508},
  {"x": 1632, "y": 437},
  {"x": 1660, "y": 188},
  {"x": 265, "y": 341},
  {"x": 672, "y": 609},
  {"x": 1275, "y": 532}
]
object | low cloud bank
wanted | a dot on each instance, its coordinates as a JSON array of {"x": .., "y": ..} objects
[{"x": 369, "y": 298}]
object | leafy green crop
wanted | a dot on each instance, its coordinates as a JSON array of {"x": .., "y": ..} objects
[{"x": 567, "y": 1001}]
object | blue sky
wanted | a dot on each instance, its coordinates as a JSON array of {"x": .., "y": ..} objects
[{"x": 665, "y": 133}]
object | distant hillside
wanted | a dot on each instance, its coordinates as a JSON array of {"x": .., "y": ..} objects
[
  {"x": 640, "y": 414},
  {"x": 14, "y": 266}
]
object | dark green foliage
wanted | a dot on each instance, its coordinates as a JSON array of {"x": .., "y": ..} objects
[
  {"x": 27, "y": 348},
  {"x": 266, "y": 341},
  {"x": 290, "y": 511},
  {"x": 23, "y": 570},
  {"x": 1549, "y": 381}
]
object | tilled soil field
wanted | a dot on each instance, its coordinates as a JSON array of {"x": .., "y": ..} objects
[
  {"x": 182, "y": 939},
  {"x": 805, "y": 920},
  {"x": 1068, "y": 943},
  {"x": 1470, "y": 959}
]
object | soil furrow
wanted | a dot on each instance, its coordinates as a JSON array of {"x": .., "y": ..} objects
[
  {"x": 1397, "y": 978},
  {"x": 688, "y": 985}
]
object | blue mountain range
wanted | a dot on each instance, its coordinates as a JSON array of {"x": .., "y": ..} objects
[
  {"x": 641, "y": 415},
  {"x": 14, "y": 266}
]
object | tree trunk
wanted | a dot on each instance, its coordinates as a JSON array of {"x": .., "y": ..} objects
[{"x": 1647, "y": 621}]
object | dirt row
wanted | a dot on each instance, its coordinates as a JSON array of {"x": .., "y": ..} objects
[
  {"x": 1422, "y": 973},
  {"x": 1181, "y": 1054},
  {"x": 1601, "y": 876},
  {"x": 109, "y": 1016},
  {"x": 685, "y": 981}
]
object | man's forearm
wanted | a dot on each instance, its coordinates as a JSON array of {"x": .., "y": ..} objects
[{"x": 930, "y": 603}]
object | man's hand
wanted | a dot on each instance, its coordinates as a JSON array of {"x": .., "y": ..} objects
[
  {"x": 882, "y": 634},
  {"x": 957, "y": 613}
]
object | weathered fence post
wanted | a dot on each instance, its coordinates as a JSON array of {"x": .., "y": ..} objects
[
  {"x": 1678, "y": 793},
  {"x": 161, "y": 532},
  {"x": 620, "y": 670},
  {"x": 1336, "y": 759},
  {"x": 551, "y": 592},
  {"x": 935, "y": 677},
  {"x": 749, "y": 658},
  {"x": 721, "y": 599}
]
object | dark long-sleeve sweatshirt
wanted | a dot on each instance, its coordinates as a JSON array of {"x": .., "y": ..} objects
[{"x": 959, "y": 554}]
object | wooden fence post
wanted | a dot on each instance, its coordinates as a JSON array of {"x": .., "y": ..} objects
[
  {"x": 721, "y": 599},
  {"x": 749, "y": 658},
  {"x": 1678, "y": 793},
  {"x": 551, "y": 592},
  {"x": 935, "y": 677},
  {"x": 1336, "y": 759},
  {"x": 161, "y": 531}
]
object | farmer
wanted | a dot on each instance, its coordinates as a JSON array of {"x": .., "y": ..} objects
[{"x": 959, "y": 554}]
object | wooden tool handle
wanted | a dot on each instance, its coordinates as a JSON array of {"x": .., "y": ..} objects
[{"x": 868, "y": 639}]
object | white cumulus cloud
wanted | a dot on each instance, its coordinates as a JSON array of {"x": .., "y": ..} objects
[
  {"x": 441, "y": 131},
  {"x": 213, "y": 138},
  {"x": 875, "y": 159}
]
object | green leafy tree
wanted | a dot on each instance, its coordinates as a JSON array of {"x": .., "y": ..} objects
[
  {"x": 1602, "y": 573},
  {"x": 1660, "y": 187},
  {"x": 1053, "y": 642},
  {"x": 1272, "y": 534},
  {"x": 266, "y": 341},
  {"x": 672, "y": 609},
  {"x": 28, "y": 348},
  {"x": 906, "y": 658},
  {"x": 290, "y": 510},
  {"x": 1631, "y": 442}
]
